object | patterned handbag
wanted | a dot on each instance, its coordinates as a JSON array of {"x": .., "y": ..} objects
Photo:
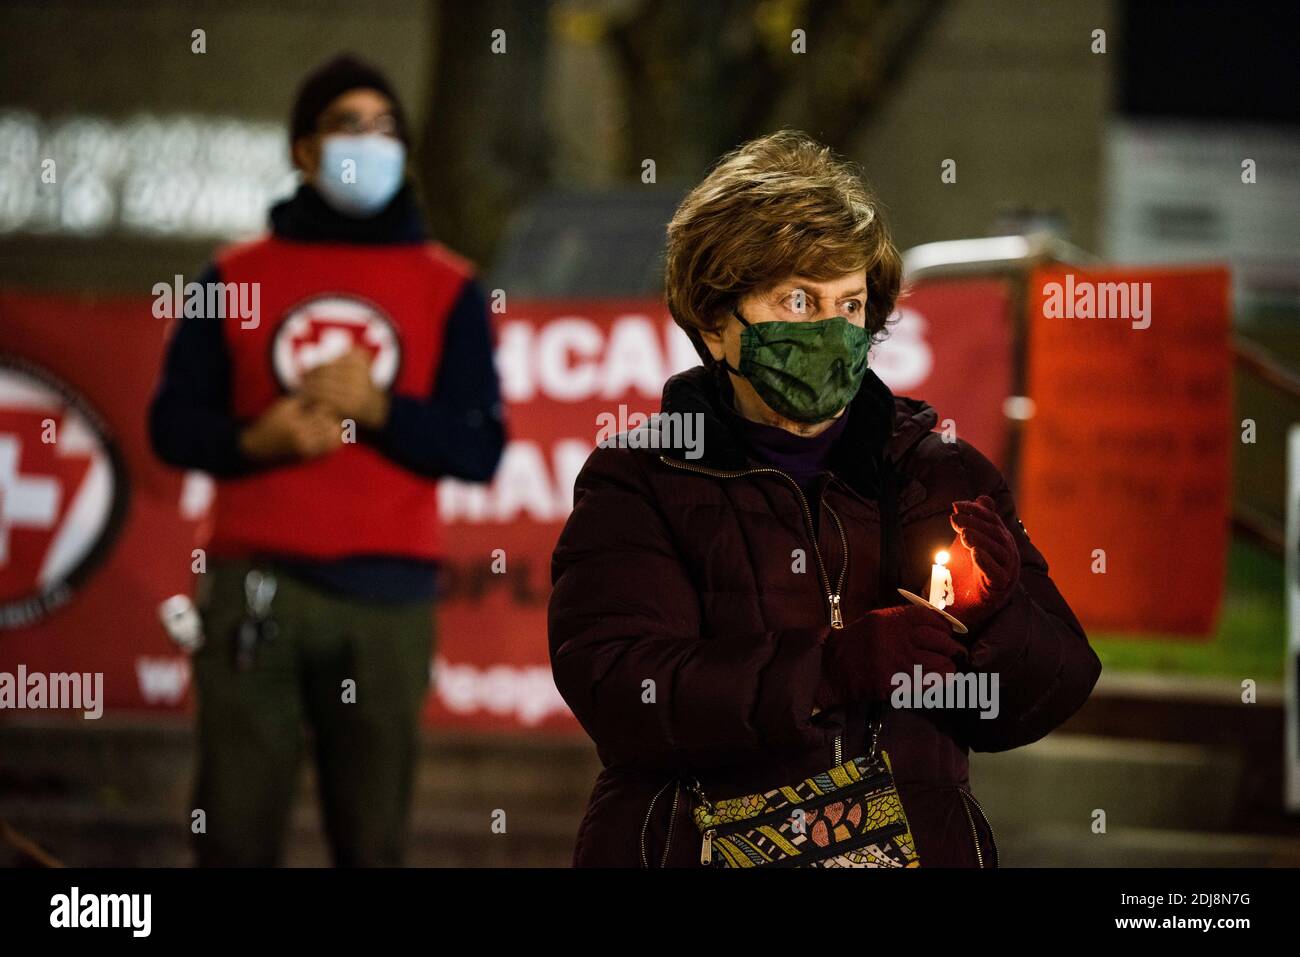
[{"x": 849, "y": 816}]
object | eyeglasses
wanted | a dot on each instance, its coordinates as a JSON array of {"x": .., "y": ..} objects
[{"x": 351, "y": 123}]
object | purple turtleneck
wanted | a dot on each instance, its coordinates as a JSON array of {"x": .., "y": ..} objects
[{"x": 802, "y": 458}]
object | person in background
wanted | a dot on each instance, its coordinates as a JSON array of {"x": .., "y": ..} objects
[{"x": 326, "y": 421}]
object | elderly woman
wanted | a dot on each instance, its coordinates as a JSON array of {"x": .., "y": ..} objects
[{"x": 727, "y": 626}]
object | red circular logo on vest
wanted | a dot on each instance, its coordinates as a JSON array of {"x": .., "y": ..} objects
[
  {"x": 322, "y": 329},
  {"x": 63, "y": 492}
]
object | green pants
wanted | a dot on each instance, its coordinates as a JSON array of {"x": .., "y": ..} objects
[{"x": 251, "y": 723}]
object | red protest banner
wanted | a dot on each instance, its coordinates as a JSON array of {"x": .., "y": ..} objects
[
  {"x": 951, "y": 346},
  {"x": 563, "y": 365},
  {"x": 96, "y": 495},
  {"x": 1124, "y": 477}
]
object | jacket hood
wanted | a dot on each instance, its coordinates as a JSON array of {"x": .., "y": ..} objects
[{"x": 305, "y": 217}]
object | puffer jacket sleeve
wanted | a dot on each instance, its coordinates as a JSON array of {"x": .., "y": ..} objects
[
  {"x": 1046, "y": 669},
  {"x": 627, "y": 651}
]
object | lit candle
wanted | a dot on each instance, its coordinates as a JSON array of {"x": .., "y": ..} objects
[{"x": 941, "y": 595}]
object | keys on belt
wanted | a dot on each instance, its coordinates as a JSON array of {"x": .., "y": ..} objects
[{"x": 257, "y": 626}]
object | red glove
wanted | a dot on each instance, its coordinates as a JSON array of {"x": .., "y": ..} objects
[
  {"x": 987, "y": 566},
  {"x": 860, "y": 660}
]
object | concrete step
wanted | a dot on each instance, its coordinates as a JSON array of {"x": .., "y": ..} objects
[
  {"x": 132, "y": 763},
  {"x": 1057, "y": 845},
  {"x": 101, "y": 793},
  {"x": 1068, "y": 779},
  {"x": 84, "y": 834}
]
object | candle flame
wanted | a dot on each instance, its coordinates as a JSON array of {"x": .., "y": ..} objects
[{"x": 941, "y": 558}]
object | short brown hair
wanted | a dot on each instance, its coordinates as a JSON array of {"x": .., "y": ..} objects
[{"x": 778, "y": 206}]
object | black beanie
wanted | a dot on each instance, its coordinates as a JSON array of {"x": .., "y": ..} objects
[{"x": 331, "y": 80}]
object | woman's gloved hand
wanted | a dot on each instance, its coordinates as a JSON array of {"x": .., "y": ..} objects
[
  {"x": 859, "y": 661},
  {"x": 985, "y": 562}
]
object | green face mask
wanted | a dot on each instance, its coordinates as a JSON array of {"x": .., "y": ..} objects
[{"x": 806, "y": 371}]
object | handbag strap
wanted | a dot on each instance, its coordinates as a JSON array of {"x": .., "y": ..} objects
[
  {"x": 891, "y": 535},
  {"x": 891, "y": 565}
]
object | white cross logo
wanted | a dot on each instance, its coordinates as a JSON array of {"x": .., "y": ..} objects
[{"x": 26, "y": 502}]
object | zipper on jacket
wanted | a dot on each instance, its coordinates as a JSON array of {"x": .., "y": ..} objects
[
  {"x": 837, "y": 620},
  {"x": 967, "y": 800},
  {"x": 672, "y": 820},
  {"x": 832, "y": 594},
  {"x": 672, "y": 823}
]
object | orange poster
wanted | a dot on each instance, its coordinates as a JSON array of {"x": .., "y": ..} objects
[{"x": 1124, "y": 480}]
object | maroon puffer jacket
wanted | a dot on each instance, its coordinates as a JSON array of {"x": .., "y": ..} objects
[{"x": 682, "y": 573}]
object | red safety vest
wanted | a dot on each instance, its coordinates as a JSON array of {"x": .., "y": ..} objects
[{"x": 317, "y": 300}]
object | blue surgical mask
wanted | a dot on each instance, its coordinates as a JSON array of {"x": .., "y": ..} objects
[{"x": 365, "y": 185}]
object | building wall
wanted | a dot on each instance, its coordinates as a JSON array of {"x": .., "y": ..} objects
[
  {"x": 112, "y": 61},
  {"x": 1011, "y": 91},
  {"x": 1008, "y": 89}
]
